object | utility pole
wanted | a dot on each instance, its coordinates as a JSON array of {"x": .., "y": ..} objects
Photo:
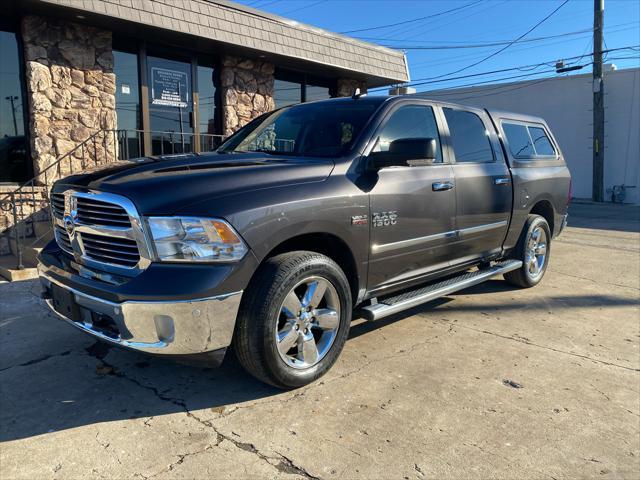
[{"x": 598, "y": 103}]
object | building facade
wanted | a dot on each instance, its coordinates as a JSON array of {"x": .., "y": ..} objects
[
  {"x": 566, "y": 104},
  {"x": 99, "y": 80}
]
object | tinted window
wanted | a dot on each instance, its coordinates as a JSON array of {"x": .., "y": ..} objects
[
  {"x": 207, "y": 108},
  {"x": 14, "y": 161},
  {"x": 469, "y": 137},
  {"x": 324, "y": 129},
  {"x": 410, "y": 121},
  {"x": 286, "y": 93},
  {"x": 292, "y": 87},
  {"x": 125, "y": 66},
  {"x": 518, "y": 140},
  {"x": 541, "y": 142},
  {"x": 314, "y": 92}
]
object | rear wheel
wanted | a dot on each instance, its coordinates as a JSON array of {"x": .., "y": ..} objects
[
  {"x": 533, "y": 249},
  {"x": 294, "y": 319}
]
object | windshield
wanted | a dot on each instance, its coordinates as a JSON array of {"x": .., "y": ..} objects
[{"x": 324, "y": 129}]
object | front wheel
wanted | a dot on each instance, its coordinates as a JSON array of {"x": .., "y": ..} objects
[
  {"x": 294, "y": 319},
  {"x": 534, "y": 248}
]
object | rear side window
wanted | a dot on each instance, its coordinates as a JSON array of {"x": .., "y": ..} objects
[
  {"x": 541, "y": 142},
  {"x": 409, "y": 121},
  {"x": 519, "y": 141},
  {"x": 469, "y": 137},
  {"x": 527, "y": 141}
]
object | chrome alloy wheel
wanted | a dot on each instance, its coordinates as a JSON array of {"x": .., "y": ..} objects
[
  {"x": 536, "y": 253},
  {"x": 308, "y": 322}
]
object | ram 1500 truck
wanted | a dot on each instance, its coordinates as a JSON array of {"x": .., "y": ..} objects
[{"x": 305, "y": 215}]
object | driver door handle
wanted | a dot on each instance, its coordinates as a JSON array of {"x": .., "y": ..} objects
[{"x": 441, "y": 186}]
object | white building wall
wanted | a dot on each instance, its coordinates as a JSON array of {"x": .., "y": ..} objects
[{"x": 566, "y": 104}]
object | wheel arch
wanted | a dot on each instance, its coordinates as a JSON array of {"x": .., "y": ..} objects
[
  {"x": 545, "y": 209},
  {"x": 326, "y": 244}
]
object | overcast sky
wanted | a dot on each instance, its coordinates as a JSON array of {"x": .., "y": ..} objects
[{"x": 472, "y": 22}]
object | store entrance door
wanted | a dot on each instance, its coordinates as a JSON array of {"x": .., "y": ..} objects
[{"x": 170, "y": 106}]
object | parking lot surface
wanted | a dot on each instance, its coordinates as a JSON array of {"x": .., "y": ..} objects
[{"x": 492, "y": 382}]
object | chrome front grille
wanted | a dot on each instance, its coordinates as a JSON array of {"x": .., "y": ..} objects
[
  {"x": 100, "y": 230},
  {"x": 62, "y": 238},
  {"x": 57, "y": 205},
  {"x": 120, "y": 251},
  {"x": 96, "y": 212}
]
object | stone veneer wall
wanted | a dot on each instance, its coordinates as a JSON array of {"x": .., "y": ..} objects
[
  {"x": 71, "y": 91},
  {"x": 247, "y": 91}
]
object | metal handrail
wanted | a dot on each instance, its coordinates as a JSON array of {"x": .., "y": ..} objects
[
  {"x": 14, "y": 202},
  {"x": 18, "y": 229}
]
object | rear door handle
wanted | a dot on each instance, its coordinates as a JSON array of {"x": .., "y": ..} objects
[
  {"x": 502, "y": 181},
  {"x": 441, "y": 186}
]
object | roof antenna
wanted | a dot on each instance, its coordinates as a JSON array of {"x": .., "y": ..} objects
[{"x": 356, "y": 95}]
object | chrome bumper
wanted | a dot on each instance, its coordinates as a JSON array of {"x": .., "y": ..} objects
[{"x": 171, "y": 328}]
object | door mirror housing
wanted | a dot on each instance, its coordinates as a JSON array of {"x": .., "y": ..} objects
[{"x": 405, "y": 152}]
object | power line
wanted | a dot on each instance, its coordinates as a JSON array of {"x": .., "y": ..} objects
[
  {"x": 515, "y": 25},
  {"x": 419, "y": 30},
  {"x": 415, "y": 19},
  {"x": 454, "y": 59},
  {"x": 428, "y": 80},
  {"x": 506, "y": 46},
  {"x": 253, "y": 4},
  {"x": 488, "y": 44},
  {"x": 504, "y": 88},
  {"x": 502, "y": 70},
  {"x": 452, "y": 42},
  {"x": 624, "y": 58},
  {"x": 400, "y": 33},
  {"x": 577, "y": 58},
  {"x": 445, "y": 92},
  {"x": 512, "y": 77},
  {"x": 302, "y": 8},
  {"x": 491, "y": 5}
]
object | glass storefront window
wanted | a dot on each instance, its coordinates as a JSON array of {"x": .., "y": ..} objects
[
  {"x": 179, "y": 112},
  {"x": 314, "y": 92},
  {"x": 15, "y": 165},
  {"x": 293, "y": 87},
  {"x": 287, "y": 93},
  {"x": 207, "y": 109},
  {"x": 125, "y": 67},
  {"x": 165, "y": 94}
]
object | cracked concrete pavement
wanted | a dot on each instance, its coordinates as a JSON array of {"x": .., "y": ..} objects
[{"x": 492, "y": 382}]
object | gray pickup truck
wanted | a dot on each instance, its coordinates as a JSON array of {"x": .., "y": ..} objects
[{"x": 308, "y": 214}]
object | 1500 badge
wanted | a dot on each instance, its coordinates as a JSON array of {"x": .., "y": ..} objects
[{"x": 385, "y": 219}]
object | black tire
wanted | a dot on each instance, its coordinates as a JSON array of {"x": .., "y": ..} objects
[
  {"x": 261, "y": 311},
  {"x": 524, "y": 277}
]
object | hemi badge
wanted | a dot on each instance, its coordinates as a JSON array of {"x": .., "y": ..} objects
[{"x": 359, "y": 220}]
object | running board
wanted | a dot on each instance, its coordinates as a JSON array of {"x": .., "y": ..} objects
[{"x": 406, "y": 300}]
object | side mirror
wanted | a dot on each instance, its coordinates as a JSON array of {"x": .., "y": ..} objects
[{"x": 405, "y": 152}]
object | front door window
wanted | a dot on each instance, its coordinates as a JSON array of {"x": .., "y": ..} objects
[{"x": 170, "y": 106}]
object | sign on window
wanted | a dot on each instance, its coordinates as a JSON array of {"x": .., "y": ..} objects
[{"x": 169, "y": 88}]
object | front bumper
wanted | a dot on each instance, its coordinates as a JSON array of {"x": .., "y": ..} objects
[{"x": 179, "y": 327}]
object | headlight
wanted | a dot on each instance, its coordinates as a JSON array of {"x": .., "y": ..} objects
[{"x": 179, "y": 239}]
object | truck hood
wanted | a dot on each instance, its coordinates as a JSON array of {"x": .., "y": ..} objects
[{"x": 164, "y": 185}]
